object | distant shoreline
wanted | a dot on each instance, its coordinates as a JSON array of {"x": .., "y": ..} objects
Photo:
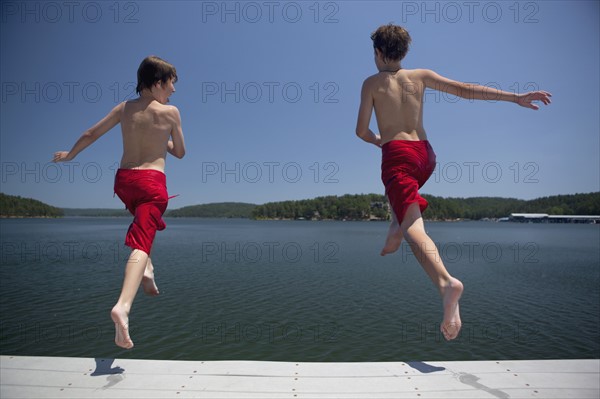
[
  {"x": 129, "y": 217},
  {"x": 349, "y": 207},
  {"x": 29, "y": 217}
]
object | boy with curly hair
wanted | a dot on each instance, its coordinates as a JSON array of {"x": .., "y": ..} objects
[{"x": 408, "y": 160}]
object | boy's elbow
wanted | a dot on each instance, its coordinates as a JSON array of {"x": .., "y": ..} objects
[
  {"x": 361, "y": 133},
  {"x": 180, "y": 154},
  {"x": 88, "y": 134}
]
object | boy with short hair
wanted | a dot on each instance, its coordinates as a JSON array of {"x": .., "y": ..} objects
[
  {"x": 150, "y": 129},
  {"x": 408, "y": 160}
]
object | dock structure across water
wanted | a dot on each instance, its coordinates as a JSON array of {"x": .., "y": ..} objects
[
  {"x": 545, "y": 218},
  {"x": 63, "y": 377}
]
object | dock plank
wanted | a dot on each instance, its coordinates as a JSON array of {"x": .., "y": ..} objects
[{"x": 60, "y": 377}]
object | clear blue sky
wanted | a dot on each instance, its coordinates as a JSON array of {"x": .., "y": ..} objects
[{"x": 269, "y": 91}]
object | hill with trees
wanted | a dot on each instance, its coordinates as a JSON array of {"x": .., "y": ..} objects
[
  {"x": 215, "y": 210},
  {"x": 345, "y": 207},
  {"x": 19, "y": 207},
  {"x": 96, "y": 212},
  {"x": 375, "y": 206}
]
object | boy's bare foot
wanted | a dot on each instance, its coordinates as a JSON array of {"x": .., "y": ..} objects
[
  {"x": 451, "y": 324},
  {"x": 148, "y": 283},
  {"x": 121, "y": 320},
  {"x": 393, "y": 239}
]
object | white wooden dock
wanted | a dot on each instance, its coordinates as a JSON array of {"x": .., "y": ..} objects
[{"x": 60, "y": 377}]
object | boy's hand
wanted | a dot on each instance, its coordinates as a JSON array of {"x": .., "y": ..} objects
[
  {"x": 377, "y": 141},
  {"x": 526, "y": 99},
  {"x": 61, "y": 156}
]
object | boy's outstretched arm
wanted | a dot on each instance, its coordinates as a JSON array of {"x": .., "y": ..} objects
[
  {"x": 176, "y": 146},
  {"x": 364, "y": 116},
  {"x": 472, "y": 91},
  {"x": 91, "y": 135}
]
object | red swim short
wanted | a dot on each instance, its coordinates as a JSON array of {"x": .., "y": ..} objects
[
  {"x": 405, "y": 167},
  {"x": 144, "y": 193}
]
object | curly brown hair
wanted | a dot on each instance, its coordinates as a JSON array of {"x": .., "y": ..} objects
[
  {"x": 392, "y": 41},
  {"x": 154, "y": 69}
]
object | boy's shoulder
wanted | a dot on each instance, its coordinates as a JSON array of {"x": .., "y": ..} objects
[
  {"x": 384, "y": 76},
  {"x": 372, "y": 80},
  {"x": 420, "y": 72},
  {"x": 169, "y": 111},
  {"x": 164, "y": 107},
  {"x": 414, "y": 75},
  {"x": 410, "y": 72},
  {"x": 167, "y": 108}
]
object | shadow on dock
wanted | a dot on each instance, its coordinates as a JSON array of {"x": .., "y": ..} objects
[
  {"x": 104, "y": 367},
  {"x": 424, "y": 367}
]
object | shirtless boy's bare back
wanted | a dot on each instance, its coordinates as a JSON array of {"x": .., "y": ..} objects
[
  {"x": 396, "y": 96},
  {"x": 150, "y": 129},
  {"x": 147, "y": 125}
]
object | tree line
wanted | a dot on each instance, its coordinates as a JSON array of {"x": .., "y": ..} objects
[
  {"x": 15, "y": 206},
  {"x": 332, "y": 207},
  {"x": 345, "y": 207},
  {"x": 375, "y": 206},
  {"x": 215, "y": 210}
]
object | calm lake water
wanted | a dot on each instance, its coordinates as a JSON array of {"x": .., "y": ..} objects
[{"x": 300, "y": 291}]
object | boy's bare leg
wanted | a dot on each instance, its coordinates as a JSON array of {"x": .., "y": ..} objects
[
  {"x": 148, "y": 282},
  {"x": 394, "y": 237},
  {"x": 427, "y": 254},
  {"x": 134, "y": 271}
]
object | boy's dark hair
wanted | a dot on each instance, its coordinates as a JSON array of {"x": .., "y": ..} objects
[
  {"x": 154, "y": 69},
  {"x": 392, "y": 41}
]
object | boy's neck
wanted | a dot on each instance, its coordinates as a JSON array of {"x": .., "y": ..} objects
[
  {"x": 390, "y": 67},
  {"x": 146, "y": 95}
]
